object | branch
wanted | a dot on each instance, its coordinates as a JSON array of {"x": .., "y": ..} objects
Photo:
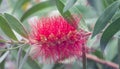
[
  {"x": 94, "y": 58},
  {"x": 13, "y": 48}
]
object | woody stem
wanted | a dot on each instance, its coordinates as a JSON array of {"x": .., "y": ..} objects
[{"x": 108, "y": 63}]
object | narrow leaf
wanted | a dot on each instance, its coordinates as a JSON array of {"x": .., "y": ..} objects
[
  {"x": 2, "y": 65},
  {"x": 111, "y": 50},
  {"x": 108, "y": 2},
  {"x": 82, "y": 22},
  {"x": 4, "y": 56},
  {"x": 6, "y": 28},
  {"x": 25, "y": 58},
  {"x": 30, "y": 63},
  {"x": 69, "y": 4},
  {"x": 105, "y": 18},
  {"x": 58, "y": 65},
  {"x": 33, "y": 64},
  {"x": 109, "y": 32},
  {"x": 19, "y": 56},
  {"x": 16, "y": 25},
  {"x": 67, "y": 15},
  {"x": 0, "y": 2},
  {"x": 19, "y": 4},
  {"x": 35, "y": 8},
  {"x": 119, "y": 51}
]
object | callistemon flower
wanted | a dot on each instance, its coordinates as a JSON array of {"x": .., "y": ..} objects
[{"x": 54, "y": 39}]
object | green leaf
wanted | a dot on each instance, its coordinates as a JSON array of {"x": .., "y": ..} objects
[
  {"x": 104, "y": 3},
  {"x": 33, "y": 64},
  {"x": 2, "y": 65},
  {"x": 2, "y": 58},
  {"x": 38, "y": 7},
  {"x": 119, "y": 50},
  {"x": 30, "y": 63},
  {"x": 116, "y": 16},
  {"x": 6, "y": 28},
  {"x": 67, "y": 15},
  {"x": 69, "y": 4},
  {"x": 109, "y": 32},
  {"x": 82, "y": 22},
  {"x": 19, "y": 4},
  {"x": 58, "y": 65},
  {"x": 19, "y": 56},
  {"x": 108, "y": 2},
  {"x": 25, "y": 58},
  {"x": 111, "y": 50},
  {"x": 105, "y": 18},
  {"x": 16, "y": 25},
  {"x": 0, "y": 2}
]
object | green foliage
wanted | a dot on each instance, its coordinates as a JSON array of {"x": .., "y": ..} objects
[
  {"x": 67, "y": 15},
  {"x": 2, "y": 64},
  {"x": 111, "y": 49},
  {"x": 37, "y": 7},
  {"x": 0, "y": 2},
  {"x": 108, "y": 2},
  {"x": 69, "y": 4},
  {"x": 6, "y": 28},
  {"x": 30, "y": 63},
  {"x": 105, "y": 18},
  {"x": 118, "y": 51},
  {"x": 109, "y": 32},
  {"x": 19, "y": 4},
  {"x": 16, "y": 25}
]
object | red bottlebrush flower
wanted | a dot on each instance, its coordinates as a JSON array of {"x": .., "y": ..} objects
[{"x": 54, "y": 39}]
